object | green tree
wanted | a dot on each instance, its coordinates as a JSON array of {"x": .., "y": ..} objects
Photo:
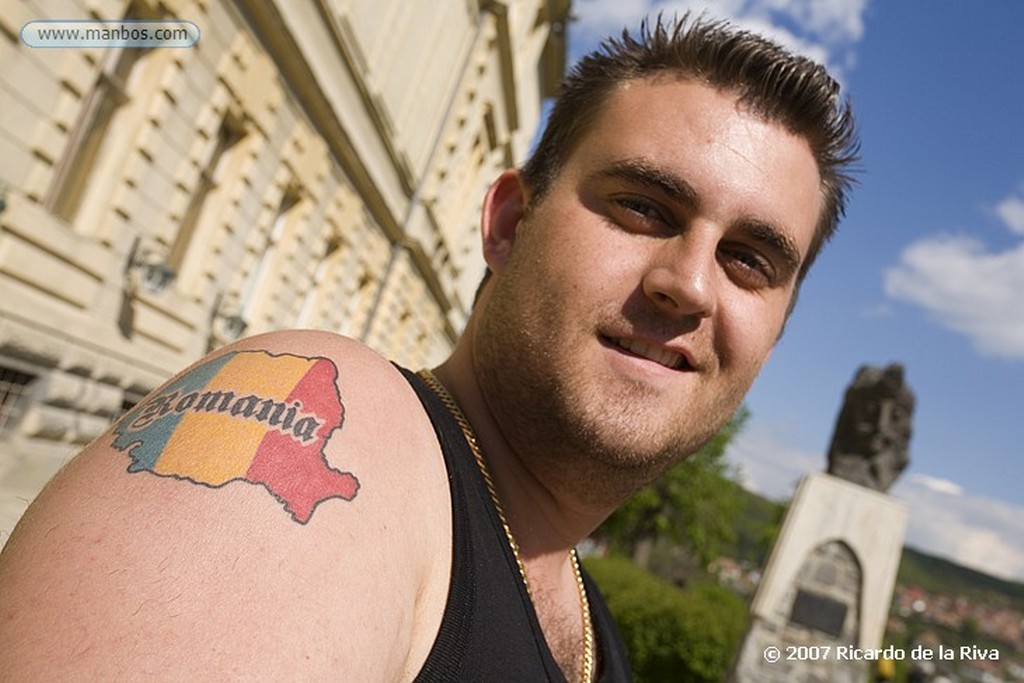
[
  {"x": 671, "y": 634},
  {"x": 694, "y": 504}
]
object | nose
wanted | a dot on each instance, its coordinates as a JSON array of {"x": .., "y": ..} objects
[{"x": 680, "y": 278}]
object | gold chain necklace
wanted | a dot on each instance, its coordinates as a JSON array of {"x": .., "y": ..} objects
[{"x": 587, "y": 665}]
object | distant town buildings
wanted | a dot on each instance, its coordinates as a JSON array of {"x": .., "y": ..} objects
[
  {"x": 307, "y": 164},
  {"x": 961, "y": 614},
  {"x": 931, "y": 619}
]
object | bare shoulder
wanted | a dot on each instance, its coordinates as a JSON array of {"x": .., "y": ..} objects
[{"x": 277, "y": 510}]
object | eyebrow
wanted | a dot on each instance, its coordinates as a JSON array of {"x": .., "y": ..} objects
[
  {"x": 640, "y": 172},
  {"x": 777, "y": 241}
]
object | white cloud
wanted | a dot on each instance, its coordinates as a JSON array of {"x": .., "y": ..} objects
[
  {"x": 975, "y": 531},
  {"x": 966, "y": 288},
  {"x": 824, "y": 30},
  {"x": 598, "y": 18},
  {"x": 834, "y": 20},
  {"x": 945, "y": 519},
  {"x": 767, "y": 464},
  {"x": 937, "y": 485},
  {"x": 1011, "y": 211},
  {"x": 882, "y": 310}
]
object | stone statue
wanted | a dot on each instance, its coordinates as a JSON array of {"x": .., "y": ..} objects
[{"x": 872, "y": 434}]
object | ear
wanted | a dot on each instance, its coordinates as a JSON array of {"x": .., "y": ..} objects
[{"x": 503, "y": 211}]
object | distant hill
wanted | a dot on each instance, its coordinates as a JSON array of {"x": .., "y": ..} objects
[
  {"x": 758, "y": 524},
  {"x": 760, "y": 518},
  {"x": 938, "y": 575}
]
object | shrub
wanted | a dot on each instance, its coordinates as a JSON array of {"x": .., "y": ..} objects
[{"x": 671, "y": 634}]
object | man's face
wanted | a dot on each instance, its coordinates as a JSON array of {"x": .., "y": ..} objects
[{"x": 637, "y": 301}]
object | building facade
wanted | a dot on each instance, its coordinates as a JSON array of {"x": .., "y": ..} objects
[{"x": 309, "y": 163}]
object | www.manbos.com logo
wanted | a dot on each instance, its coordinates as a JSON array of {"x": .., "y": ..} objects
[{"x": 49, "y": 33}]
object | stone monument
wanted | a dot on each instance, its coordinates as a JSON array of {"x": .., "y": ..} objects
[
  {"x": 872, "y": 434},
  {"x": 823, "y": 601}
]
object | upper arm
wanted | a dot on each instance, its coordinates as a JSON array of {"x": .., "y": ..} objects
[{"x": 252, "y": 517}]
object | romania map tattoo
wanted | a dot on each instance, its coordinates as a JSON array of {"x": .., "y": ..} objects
[{"x": 247, "y": 416}]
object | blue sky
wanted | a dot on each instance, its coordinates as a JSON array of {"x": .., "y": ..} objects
[{"x": 928, "y": 267}]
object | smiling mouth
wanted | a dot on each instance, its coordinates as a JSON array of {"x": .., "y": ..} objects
[{"x": 658, "y": 354}]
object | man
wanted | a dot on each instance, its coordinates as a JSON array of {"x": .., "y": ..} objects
[{"x": 293, "y": 506}]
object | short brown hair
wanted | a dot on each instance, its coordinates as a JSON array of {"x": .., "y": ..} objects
[{"x": 773, "y": 82}]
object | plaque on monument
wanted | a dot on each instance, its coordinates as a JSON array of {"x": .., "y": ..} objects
[{"x": 819, "y": 612}]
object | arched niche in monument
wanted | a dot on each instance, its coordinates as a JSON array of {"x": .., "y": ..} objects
[{"x": 824, "y": 600}]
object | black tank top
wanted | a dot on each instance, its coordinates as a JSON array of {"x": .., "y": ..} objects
[{"x": 490, "y": 630}]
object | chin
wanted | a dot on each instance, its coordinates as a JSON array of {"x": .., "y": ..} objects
[{"x": 643, "y": 447}]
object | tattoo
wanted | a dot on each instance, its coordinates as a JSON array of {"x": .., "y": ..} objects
[{"x": 246, "y": 416}]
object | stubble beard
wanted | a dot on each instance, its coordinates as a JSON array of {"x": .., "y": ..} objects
[{"x": 561, "y": 417}]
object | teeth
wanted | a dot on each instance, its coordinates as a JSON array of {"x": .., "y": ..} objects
[{"x": 657, "y": 354}]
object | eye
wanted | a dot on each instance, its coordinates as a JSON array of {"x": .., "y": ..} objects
[
  {"x": 746, "y": 266},
  {"x": 640, "y": 214}
]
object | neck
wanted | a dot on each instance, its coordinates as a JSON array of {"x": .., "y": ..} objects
[
  {"x": 547, "y": 514},
  {"x": 543, "y": 520}
]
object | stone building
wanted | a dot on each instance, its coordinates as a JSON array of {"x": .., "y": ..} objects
[{"x": 308, "y": 163}]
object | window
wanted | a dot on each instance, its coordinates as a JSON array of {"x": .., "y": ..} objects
[
  {"x": 317, "y": 286},
  {"x": 231, "y": 131},
  {"x": 129, "y": 400},
  {"x": 258, "y": 288},
  {"x": 14, "y": 384},
  {"x": 75, "y": 170}
]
